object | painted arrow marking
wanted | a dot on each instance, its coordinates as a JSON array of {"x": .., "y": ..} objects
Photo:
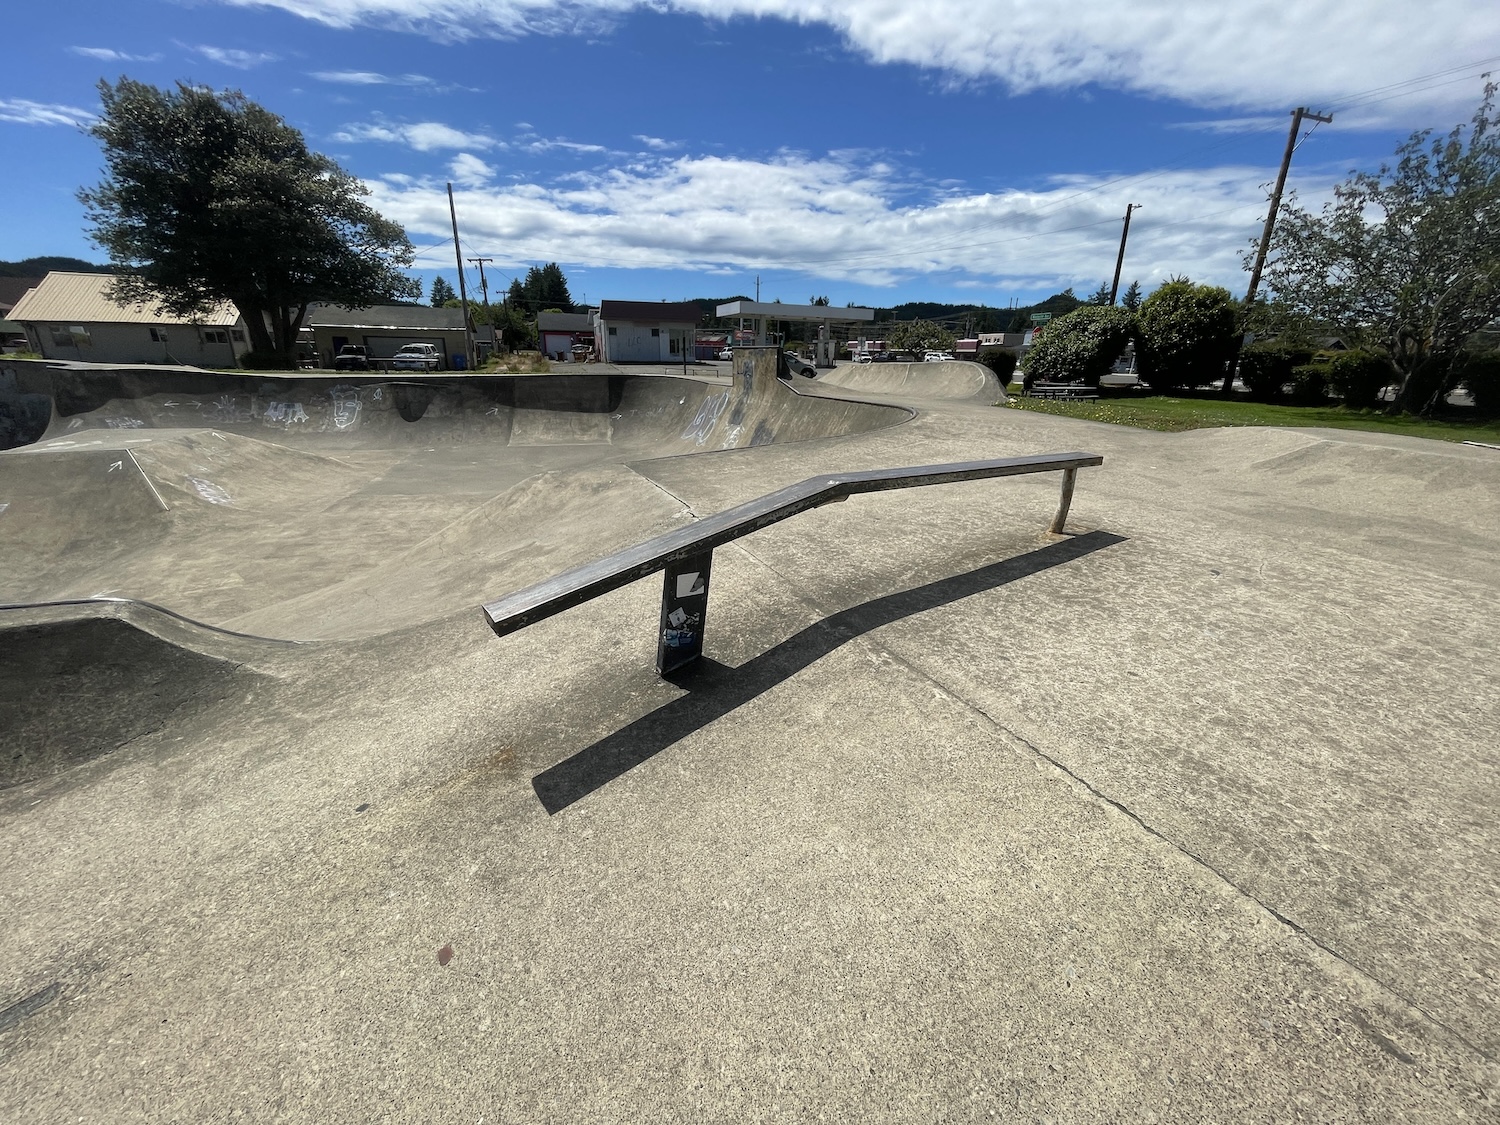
[{"x": 117, "y": 465}]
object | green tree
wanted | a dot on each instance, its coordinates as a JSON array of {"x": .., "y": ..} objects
[
  {"x": 1132, "y": 298},
  {"x": 817, "y": 301},
  {"x": 918, "y": 336},
  {"x": 442, "y": 293},
  {"x": 544, "y": 287},
  {"x": 1406, "y": 258},
  {"x": 209, "y": 197},
  {"x": 1187, "y": 334},
  {"x": 1082, "y": 345},
  {"x": 1099, "y": 296}
]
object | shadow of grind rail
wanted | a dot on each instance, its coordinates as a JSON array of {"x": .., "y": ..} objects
[
  {"x": 686, "y": 555},
  {"x": 713, "y": 690}
]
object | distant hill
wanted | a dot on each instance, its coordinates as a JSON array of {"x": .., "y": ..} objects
[
  {"x": 958, "y": 318},
  {"x": 40, "y": 267}
]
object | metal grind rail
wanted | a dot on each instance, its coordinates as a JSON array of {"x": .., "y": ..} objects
[{"x": 686, "y": 555}]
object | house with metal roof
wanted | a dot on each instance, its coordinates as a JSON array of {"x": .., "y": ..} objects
[
  {"x": 645, "y": 331},
  {"x": 72, "y": 316}
]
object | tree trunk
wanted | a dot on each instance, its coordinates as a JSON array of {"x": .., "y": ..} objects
[{"x": 255, "y": 324}]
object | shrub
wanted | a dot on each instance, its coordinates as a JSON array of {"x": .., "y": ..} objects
[
  {"x": 1481, "y": 374},
  {"x": 1267, "y": 367},
  {"x": 1187, "y": 334},
  {"x": 1080, "y": 345},
  {"x": 1358, "y": 377},
  {"x": 1310, "y": 384},
  {"x": 1002, "y": 361},
  {"x": 263, "y": 361}
]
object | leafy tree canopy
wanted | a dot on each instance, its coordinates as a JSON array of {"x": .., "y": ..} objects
[
  {"x": 918, "y": 336},
  {"x": 210, "y": 197},
  {"x": 1186, "y": 334},
  {"x": 1082, "y": 345},
  {"x": 1406, "y": 258}
]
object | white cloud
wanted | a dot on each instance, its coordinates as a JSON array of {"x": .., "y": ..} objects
[
  {"x": 424, "y": 136},
  {"x": 541, "y": 144},
  {"x": 657, "y": 143},
  {"x": 371, "y": 78},
  {"x": 24, "y": 112},
  {"x": 843, "y": 218},
  {"x": 469, "y": 171},
  {"x": 232, "y": 56},
  {"x": 1260, "y": 54},
  {"x": 106, "y": 54},
  {"x": 1236, "y": 124}
]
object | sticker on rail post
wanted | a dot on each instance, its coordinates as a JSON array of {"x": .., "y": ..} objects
[{"x": 684, "y": 608}]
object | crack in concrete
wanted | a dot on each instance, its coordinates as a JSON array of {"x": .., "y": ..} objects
[{"x": 1199, "y": 860}]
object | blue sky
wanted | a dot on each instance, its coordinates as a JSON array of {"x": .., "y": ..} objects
[{"x": 873, "y": 151}]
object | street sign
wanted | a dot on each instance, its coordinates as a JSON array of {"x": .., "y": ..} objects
[{"x": 1040, "y": 318}]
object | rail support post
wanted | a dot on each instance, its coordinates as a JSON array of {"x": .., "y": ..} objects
[
  {"x": 684, "y": 611},
  {"x": 1060, "y": 520}
]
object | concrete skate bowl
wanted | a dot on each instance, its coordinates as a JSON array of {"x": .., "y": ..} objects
[
  {"x": 78, "y": 682},
  {"x": 315, "y": 510},
  {"x": 664, "y": 414},
  {"x": 958, "y": 379}
]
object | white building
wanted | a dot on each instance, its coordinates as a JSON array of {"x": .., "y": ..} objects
[
  {"x": 71, "y": 316},
  {"x": 645, "y": 331}
]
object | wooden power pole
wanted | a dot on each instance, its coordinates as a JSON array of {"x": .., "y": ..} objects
[
  {"x": 484, "y": 287},
  {"x": 1114, "y": 286},
  {"x": 1298, "y": 116},
  {"x": 463, "y": 290}
]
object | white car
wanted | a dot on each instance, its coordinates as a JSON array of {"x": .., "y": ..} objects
[
  {"x": 726, "y": 353},
  {"x": 417, "y": 357},
  {"x": 937, "y": 357}
]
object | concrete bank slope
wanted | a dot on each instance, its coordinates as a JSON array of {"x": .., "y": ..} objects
[
  {"x": 1184, "y": 816},
  {"x": 956, "y": 379},
  {"x": 351, "y": 411}
]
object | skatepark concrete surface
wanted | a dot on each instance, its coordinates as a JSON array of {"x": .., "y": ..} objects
[{"x": 1184, "y": 815}]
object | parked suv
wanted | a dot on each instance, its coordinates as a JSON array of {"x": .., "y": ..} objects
[
  {"x": 417, "y": 357},
  {"x": 351, "y": 357}
]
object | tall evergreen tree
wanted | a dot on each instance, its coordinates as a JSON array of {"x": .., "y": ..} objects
[
  {"x": 1132, "y": 298},
  {"x": 442, "y": 293}
]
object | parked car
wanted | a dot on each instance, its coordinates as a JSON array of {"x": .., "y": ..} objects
[
  {"x": 937, "y": 357},
  {"x": 726, "y": 353},
  {"x": 862, "y": 357},
  {"x": 800, "y": 366},
  {"x": 417, "y": 357},
  {"x": 351, "y": 357}
]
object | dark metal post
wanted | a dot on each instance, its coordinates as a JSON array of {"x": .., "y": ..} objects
[
  {"x": 1060, "y": 520},
  {"x": 1120, "y": 260},
  {"x": 463, "y": 290},
  {"x": 684, "y": 609}
]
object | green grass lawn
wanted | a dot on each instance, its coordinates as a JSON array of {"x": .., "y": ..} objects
[{"x": 1164, "y": 412}]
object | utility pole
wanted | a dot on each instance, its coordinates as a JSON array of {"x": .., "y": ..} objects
[
  {"x": 1120, "y": 260},
  {"x": 1298, "y": 115},
  {"x": 757, "y": 288},
  {"x": 463, "y": 290},
  {"x": 484, "y": 287}
]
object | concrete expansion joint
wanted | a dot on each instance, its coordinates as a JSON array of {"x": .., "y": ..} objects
[{"x": 1223, "y": 877}]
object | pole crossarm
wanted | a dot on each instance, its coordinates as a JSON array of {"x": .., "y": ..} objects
[{"x": 685, "y": 553}]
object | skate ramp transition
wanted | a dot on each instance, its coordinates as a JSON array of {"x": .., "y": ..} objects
[
  {"x": 951, "y": 379},
  {"x": 316, "y": 509},
  {"x": 666, "y": 414}
]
